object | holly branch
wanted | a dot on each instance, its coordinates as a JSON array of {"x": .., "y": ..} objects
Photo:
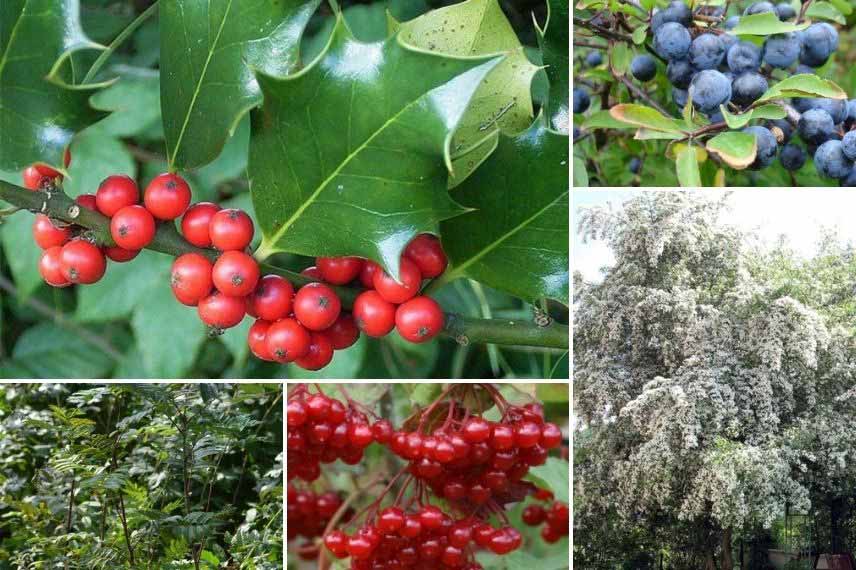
[{"x": 54, "y": 203}]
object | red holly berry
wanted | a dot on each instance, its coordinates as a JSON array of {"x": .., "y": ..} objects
[
  {"x": 88, "y": 201},
  {"x": 116, "y": 192},
  {"x": 339, "y": 270},
  {"x": 367, "y": 273},
  {"x": 120, "y": 255},
  {"x": 167, "y": 196},
  {"x": 191, "y": 278},
  {"x": 231, "y": 230},
  {"x": 344, "y": 332},
  {"x": 235, "y": 273},
  {"x": 316, "y": 306},
  {"x": 419, "y": 319},
  {"x": 33, "y": 179},
  {"x": 272, "y": 297},
  {"x": 312, "y": 272},
  {"x": 222, "y": 311},
  {"x": 427, "y": 253},
  {"x": 319, "y": 355},
  {"x": 48, "y": 171},
  {"x": 395, "y": 292},
  {"x": 47, "y": 235},
  {"x": 50, "y": 267},
  {"x": 82, "y": 262},
  {"x": 132, "y": 227},
  {"x": 257, "y": 341},
  {"x": 194, "y": 224},
  {"x": 373, "y": 315},
  {"x": 287, "y": 340}
]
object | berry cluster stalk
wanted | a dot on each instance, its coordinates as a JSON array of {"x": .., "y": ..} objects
[{"x": 57, "y": 205}]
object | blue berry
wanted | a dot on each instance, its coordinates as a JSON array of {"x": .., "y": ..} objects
[
  {"x": 781, "y": 50},
  {"x": 837, "y": 108},
  {"x": 680, "y": 97},
  {"x": 576, "y": 133},
  {"x": 815, "y": 126},
  {"x": 581, "y": 100},
  {"x": 785, "y": 11},
  {"x": 744, "y": 56},
  {"x": 680, "y": 72},
  {"x": 635, "y": 165},
  {"x": 765, "y": 144},
  {"x": 716, "y": 117},
  {"x": 748, "y": 88},
  {"x": 672, "y": 41},
  {"x": 848, "y": 145},
  {"x": 706, "y": 52},
  {"x": 594, "y": 58},
  {"x": 759, "y": 8},
  {"x": 792, "y": 157},
  {"x": 643, "y": 67},
  {"x": 830, "y": 160},
  {"x": 850, "y": 179},
  {"x": 818, "y": 43},
  {"x": 851, "y": 112},
  {"x": 676, "y": 11},
  {"x": 709, "y": 89},
  {"x": 732, "y": 22},
  {"x": 784, "y": 126}
]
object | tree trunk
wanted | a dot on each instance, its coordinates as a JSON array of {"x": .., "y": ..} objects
[
  {"x": 710, "y": 561},
  {"x": 727, "y": 559}
]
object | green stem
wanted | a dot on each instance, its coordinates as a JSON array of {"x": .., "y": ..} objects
[
  {"x": 123, "y": 35},
  {"x": 57, "y": 205}
]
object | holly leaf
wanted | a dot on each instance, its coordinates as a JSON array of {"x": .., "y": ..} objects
[
  {"x": 516, "y": 239},
  {"x": 553, "y": 40},
  {"x": 38, "y": 115},
  {"x": 351, "y": 155},
  {"x": 209, "y": 51},
  {"x": 503, "y": 101}
]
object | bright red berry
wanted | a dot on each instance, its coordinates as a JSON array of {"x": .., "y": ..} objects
[
  {"x": 288, "y": 340},
  {"x": 543, "y": 494},
  {"x": 312, "y": 272},
  {"x": 167, "y": 196},
  {"x": 431, "y": 517},
  {"x": 235, "y": 273},
  {"x": 551, "y": 534},
  {"x": 132, "y": 227},
  {"x": 551, "y": 436},
  {"x": 344, "y": 332},
  {"x": 360, "y": 435},
  {"x": 47, "y": 235},
  {"x": 533, "y": 515},
  {"x": 419, "y": 319},
  {"x": 82, "y": 262},
  {"x": 367, "y": 273},
  {"x": 476, "y": 430},
  {"x": 191, "y": 278},
  {"x": 120, "y": 255},
  {"x": 296, "y": 413},
  {"x": 194, "y": 224},
  {"x": 272, "y": 297},
  {"x": 427, "y": 253},
  {"x": 33, "y": 179},
  {"x": 316, "y": 306},
  {"x": 412, "y": 527},
  {"x": 382, "y": 431},
  {"x": 373, "y": 315},
  {"x": 527, "y": 434},
  {"x": 222, "y": 311},
  {"x": 48, "y": 171},
  {"x": 359, "y": 547},
  {"x": 231, "y": 229},
  {"x": 337, "y": 543},
  {"x": 116, "y": 192},
  {"x": 482, "y": 534},
  {"x": 256, "y": 340},
  {"x": 505, "y": 540},
  {"x": 460, "y": 534},
  {"x": 88, "y": 201},
  {"x": 396, "y": 292},
  {"x": 319, "y": 355},
  {"x": 502, "y": 437},
  {"x": 339, "y": 270},
  {"x": 50, "y": 267},
  {"x": 558, "y": 515},
  {"x": 390, "y": 520},
  {"x": 452, "y": 556}
]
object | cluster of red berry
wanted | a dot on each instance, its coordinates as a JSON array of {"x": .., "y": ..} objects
[
  {"x": 321, "y": 430},
  {"x": 388, "y": 303},
  {"x": 309, "y": 513},
  {"x": 474, "y": 460},
  {"x": 476, "y": 465},
  {"x": 427, "y": 538},
  {"x": 556, "y": 515},
  {"x": 305, "y": 327}
]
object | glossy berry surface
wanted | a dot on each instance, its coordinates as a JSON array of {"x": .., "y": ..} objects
[
  {"x": 221, "y": 311},
  {"x": 167, "y": 196},
  {"x": 132, "y": 227},
  {"x": 427, "y": 253},
  {"x": 373, "y": 314},
  {"x": 47, "y": 235},
  {"x": 231, "y": 229},
  {"x": 50, "y": 267},
  {"x": 272, "y": 297},
  {"x": 191, "y": 279},
  {"x": 398, "y": 292},
  {"x": 316, "y": 306},
  {"x": 115, "y": 193},
  {"x": 339, "y": 270},
  {"x": 419, "y": 319},
  {"x": 319, "y": 354},
  {"x": 343, "y": 332},
  {"x": 194, "y": 224},
  {"x": 257, "y": 340},
  {"x": 288, "y": 340},
  {"x": 235, "y": 273}
]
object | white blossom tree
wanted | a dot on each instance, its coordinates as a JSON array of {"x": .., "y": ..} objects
[{"x": 697, "y": 375}]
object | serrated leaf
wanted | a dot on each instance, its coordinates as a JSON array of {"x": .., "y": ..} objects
[
  {"x": 737, "y": 150},
  {"x": 350, "y": 156},
  {"x": 516, "y": 239},
  {"x": 643, "y": 116},
  {"x": 554, "y": 43},
  {"x": 686, "y": 166},
  {"x": 825, "y": 11},
  {"x": 803, "y": 85},
  {"x": 503, "y": 101},
  {"x": 765, "y": 24},
  {"x": 38, "y": 117},
  {"x": 208, "y": 52}
]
